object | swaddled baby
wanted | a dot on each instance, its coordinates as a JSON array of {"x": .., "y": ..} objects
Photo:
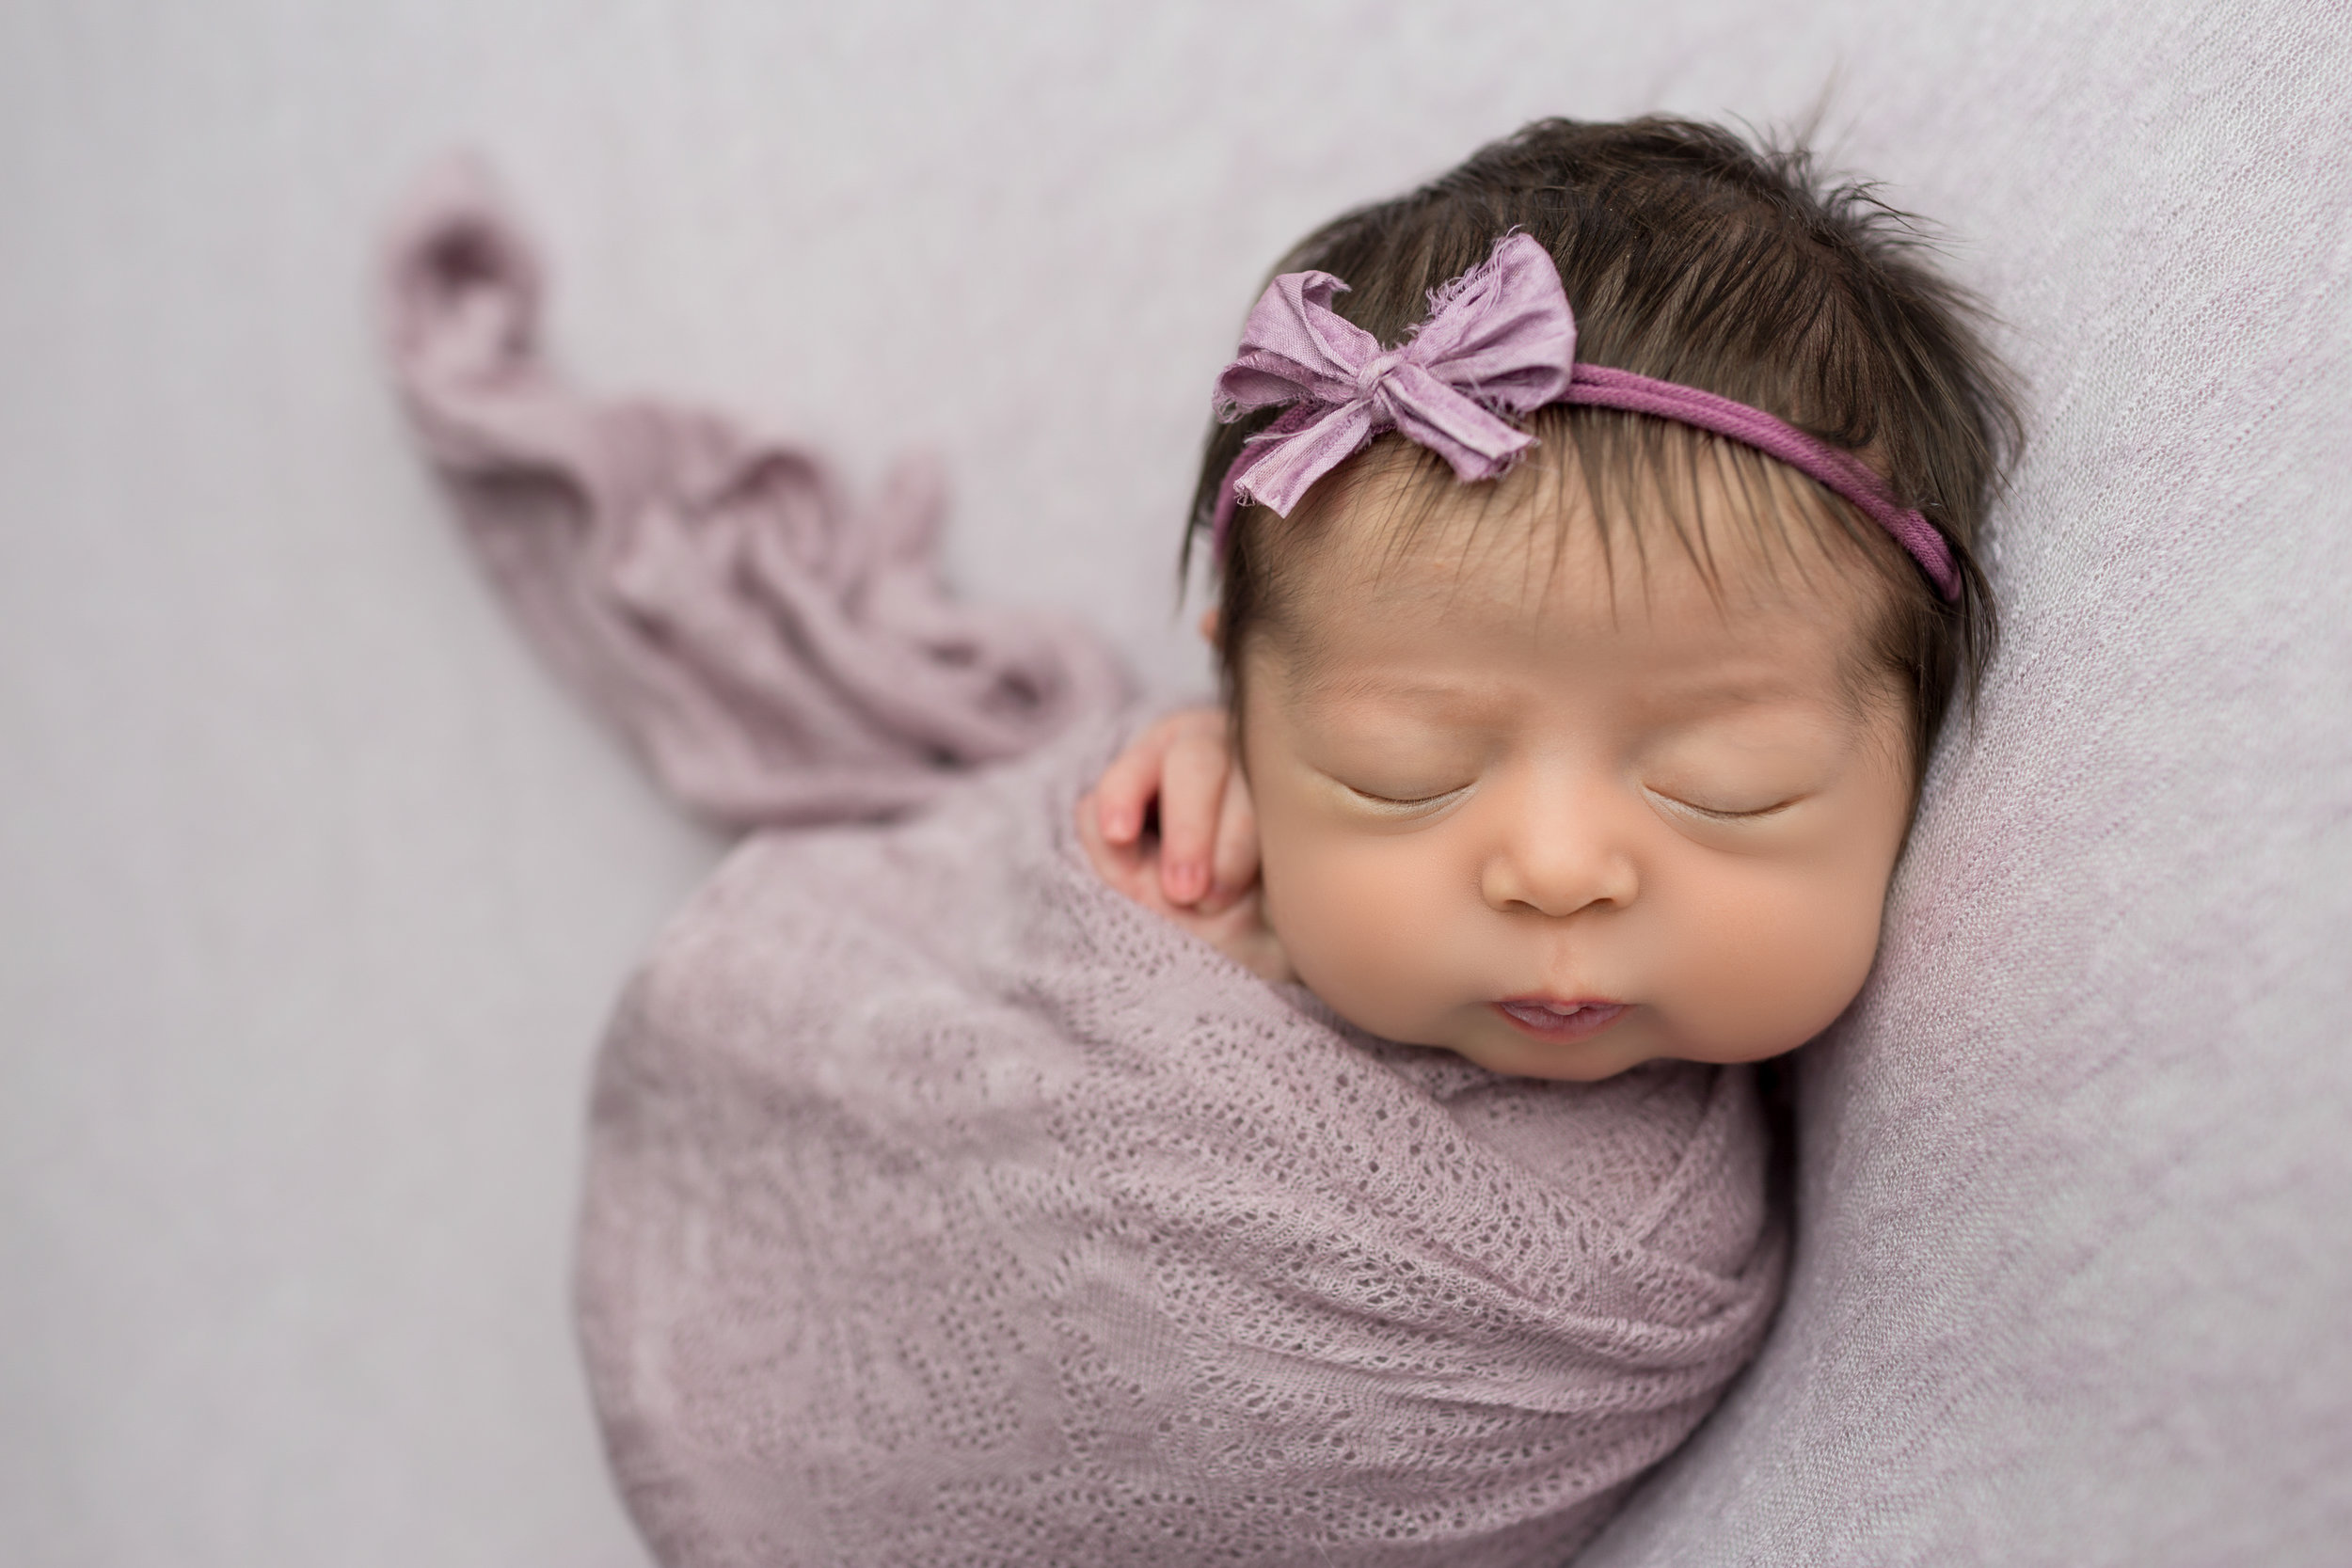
[{"x": 1592, "y": 529}]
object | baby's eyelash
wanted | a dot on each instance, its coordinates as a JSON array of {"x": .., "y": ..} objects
[
  {"x": 1387, "y": 803},
  {"x": 1692, "y": 806}
]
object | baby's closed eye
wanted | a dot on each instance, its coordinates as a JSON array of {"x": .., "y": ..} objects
[
  {"x": 1741, "y": 774},
  {"x": 1395, "y": 777},
  {"x": 1727, "y": 805},
  {"x": 1405, "y": 795}
]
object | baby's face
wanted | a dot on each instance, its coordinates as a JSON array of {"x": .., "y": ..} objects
[{"x": 1564, "y": 823}]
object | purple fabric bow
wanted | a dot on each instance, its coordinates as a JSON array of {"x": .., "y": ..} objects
[{"x": 1499, "y": 336}]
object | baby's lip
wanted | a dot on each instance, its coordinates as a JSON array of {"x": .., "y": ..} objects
[{"x": 1553, "y": 1018}]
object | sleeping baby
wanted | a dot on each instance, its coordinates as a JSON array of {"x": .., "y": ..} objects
[
  {"x": 1588, "y": 739},
  {"x": 1319, "y": 1129}
]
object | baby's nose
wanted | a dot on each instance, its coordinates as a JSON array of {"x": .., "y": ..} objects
[{"x": 1559, "y": 862}]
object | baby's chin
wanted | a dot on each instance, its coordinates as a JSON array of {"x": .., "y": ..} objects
[
  {"x": 1588, "y": 1062},
  {"x": 1633, "y": 1038}
]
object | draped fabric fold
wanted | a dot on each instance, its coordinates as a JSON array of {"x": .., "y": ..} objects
[{"x": 775, "y": 652}]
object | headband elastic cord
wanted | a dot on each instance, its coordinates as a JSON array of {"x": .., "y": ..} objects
[{"x": 1600, "y": 386}]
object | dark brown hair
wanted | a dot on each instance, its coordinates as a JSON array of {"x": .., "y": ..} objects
[{"x": 1691, "y": 256}]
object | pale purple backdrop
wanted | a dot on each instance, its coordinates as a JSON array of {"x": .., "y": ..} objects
[{"x": 313, "y": 889}]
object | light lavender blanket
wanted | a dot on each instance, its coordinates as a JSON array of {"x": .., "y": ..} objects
[{"x": 946, "y": 1208}]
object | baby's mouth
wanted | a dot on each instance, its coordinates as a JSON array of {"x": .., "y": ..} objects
[{"x": 1550, "y": 1020}]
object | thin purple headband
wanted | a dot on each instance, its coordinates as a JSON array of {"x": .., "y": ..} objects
[{"x": 1499, "y": 337}]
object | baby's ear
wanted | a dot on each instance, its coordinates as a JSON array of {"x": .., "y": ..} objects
[{"x": 1210, "y": 622}]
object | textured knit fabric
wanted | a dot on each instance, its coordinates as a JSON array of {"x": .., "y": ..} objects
[{"x": 946, "y": 1208}]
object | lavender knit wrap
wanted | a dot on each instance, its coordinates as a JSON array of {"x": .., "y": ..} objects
[{"x": 945, "y": 1208}]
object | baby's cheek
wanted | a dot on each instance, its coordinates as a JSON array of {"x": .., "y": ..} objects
[
  {"x": 1350, "y": 922},
  {"x": 1775, "y": 961}
]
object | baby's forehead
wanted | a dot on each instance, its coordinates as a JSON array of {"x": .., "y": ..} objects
[
  {"x": 1396, "y": 511},
  {"x": 1548, "y": 578},
  {"x": 1444, "y": 604}
]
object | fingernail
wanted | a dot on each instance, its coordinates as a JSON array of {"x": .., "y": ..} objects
[{"x": 1186, "y": 882}]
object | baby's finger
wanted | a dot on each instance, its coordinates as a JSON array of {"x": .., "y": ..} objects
[
  {"x": 1192, "y": 791},
  {"x": 1124, "y": 866},
  {"x": 1233, "y": 861},
  {"x": 1124, "y": 792}
]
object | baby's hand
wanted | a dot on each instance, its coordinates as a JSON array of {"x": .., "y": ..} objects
[
  {"x": 1208, "y": 849},
  {"x": 1203, "y": 870}
]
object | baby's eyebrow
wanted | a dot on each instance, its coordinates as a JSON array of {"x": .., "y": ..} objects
[
  {"x": 1735, "y": 692},
  {"x": 1776, "y": 703},
  {"x": 1744, "y": 679},
  {"x": 1340, "y": 686}
]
